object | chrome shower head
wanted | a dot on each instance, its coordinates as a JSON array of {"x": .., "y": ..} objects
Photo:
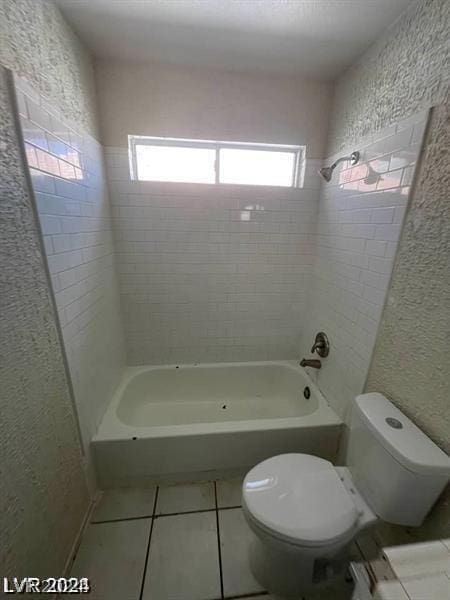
[{"x": 327, "y": 172}]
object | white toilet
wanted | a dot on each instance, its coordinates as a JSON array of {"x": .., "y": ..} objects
[{"x": 306, "y": 512}]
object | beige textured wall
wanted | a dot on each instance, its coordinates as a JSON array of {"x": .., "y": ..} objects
[
  {"x": 43, "y": 495},
  {"x": 411, "y": 363},
  {"x": 174, "y": 101},
  {"x": 37, "y": 44},
  {"x": 405, "y": 71}
]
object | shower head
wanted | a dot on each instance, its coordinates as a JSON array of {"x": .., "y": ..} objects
[{"x": 327, "y": 172}]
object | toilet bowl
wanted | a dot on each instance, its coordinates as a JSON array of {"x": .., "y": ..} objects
[{"x": 305, "y": 512}]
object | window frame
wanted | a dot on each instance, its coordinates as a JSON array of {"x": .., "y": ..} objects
[{"x": 141, "y": 140}]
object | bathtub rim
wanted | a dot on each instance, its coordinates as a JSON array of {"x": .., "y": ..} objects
[{"x": 111, "y": 428}]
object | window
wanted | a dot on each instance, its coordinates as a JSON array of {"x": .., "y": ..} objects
[
  {"x": 195, "y": 161},
  {"x": 175, "y": 163}
]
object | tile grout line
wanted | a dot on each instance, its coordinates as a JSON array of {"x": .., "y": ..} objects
[
  {"x": 218, "y": 542},
  {"x": 200, "y": 510},
  {"x": 159, "y": 516},
  {"x": 144, "y": 573},
  {"x": 185, "y": 512},
  {"x": 123, "y": 519}
]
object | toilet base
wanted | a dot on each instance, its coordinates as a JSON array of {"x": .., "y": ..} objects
[{"x": 291, "y": 573}]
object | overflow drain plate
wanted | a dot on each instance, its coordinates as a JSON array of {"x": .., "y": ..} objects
[{"x": 395, "y": 423}]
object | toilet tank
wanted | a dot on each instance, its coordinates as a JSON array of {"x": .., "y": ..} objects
[{"x": 399, "y": 471}]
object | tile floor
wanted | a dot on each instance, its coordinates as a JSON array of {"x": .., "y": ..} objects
[{"x": 170, "y": 542}]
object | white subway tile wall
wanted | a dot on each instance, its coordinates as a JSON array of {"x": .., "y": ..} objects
[
  {"x": 359, "y": 223},
  {"x": 211, "y": 273},
  {"x": 68, "y": 179}
]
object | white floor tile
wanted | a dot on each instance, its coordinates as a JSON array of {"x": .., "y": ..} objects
[
  {"x": 124, "y": 504},
  {"x": 390, "y": 590},
  {"x": 183, "y": 560},
  {"x": 235, "y": 538},
  {"x": 229, "y": 492},
  {"x": 413, "y": 560},
  {"x": 433, "y": 587},
  {"x": 185, "y": 497},
  {"x": 112, "y": 556}
]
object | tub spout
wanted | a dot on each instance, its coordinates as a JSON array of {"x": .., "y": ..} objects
[{"x": 311, "y": 362}]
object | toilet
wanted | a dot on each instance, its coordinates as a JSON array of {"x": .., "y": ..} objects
[{"x": 305, "y": 512}]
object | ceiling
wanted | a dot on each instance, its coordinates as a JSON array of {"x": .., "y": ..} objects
[{"x": 318, "y": 38}]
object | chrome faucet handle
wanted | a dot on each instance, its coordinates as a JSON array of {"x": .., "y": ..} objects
[{"x": 321, "y": 345}]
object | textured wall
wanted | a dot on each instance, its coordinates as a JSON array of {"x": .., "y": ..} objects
[
  {"x": 43, "y": 494},
  {"x": 411, "y": 364},
  {"x": 406, "y": 71},
  {"x": 36, "y": 43}
]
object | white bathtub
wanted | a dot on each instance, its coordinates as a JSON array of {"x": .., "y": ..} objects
[{"x": 193, "y": 421}]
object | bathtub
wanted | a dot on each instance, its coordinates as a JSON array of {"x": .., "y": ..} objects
[{"x": 184, "y": 422}]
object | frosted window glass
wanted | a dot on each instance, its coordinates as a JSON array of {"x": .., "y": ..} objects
[
  {"x": 175, "y": 163},
  {"x": 257, "y": 167}
]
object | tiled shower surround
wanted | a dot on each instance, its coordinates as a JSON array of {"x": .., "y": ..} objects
[
  {"x": 239, "y": 273},
  {"x": 66, "y": 166},
  {"x": 215, "y": 273},
  {"x": 211, "y": 273},
  {"x": 360, "y": 217}
]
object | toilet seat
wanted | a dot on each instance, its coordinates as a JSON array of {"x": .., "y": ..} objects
[{"x": 300, "y": 499}]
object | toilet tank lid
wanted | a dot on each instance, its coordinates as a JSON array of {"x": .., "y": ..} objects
[{"x": 401, "y": 437}]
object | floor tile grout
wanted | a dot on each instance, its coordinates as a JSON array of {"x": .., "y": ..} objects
[
  {"x": 200, "y": 510},
  {"x": 185, "y": 512},
  {"x": 122, "y": 519},
  {"x": 218, "y": 542},
  {"x": 159, "y": 516},
  {"x": 148, "y": 545},
  {"x": 145, "y": 545}
]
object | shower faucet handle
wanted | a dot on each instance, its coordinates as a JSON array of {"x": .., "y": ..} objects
[{"x": 321, "y": 345}]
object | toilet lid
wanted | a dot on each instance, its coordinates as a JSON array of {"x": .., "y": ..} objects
[{"x": 300, "y": 498}]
